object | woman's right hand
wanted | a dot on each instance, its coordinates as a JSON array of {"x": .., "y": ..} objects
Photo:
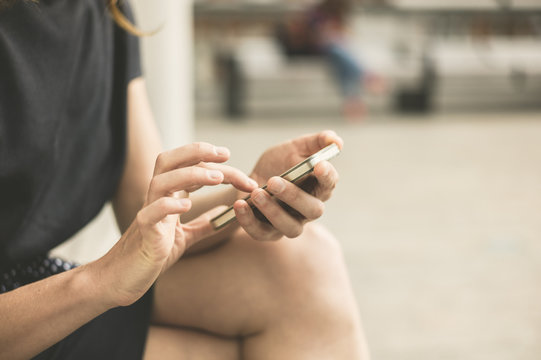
[{"x": 156, "y": 239}]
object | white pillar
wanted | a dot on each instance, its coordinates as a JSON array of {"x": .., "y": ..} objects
[{"x": 167, "y": 65}]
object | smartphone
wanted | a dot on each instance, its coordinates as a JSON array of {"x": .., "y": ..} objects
[{"x": 294, "y": 174}]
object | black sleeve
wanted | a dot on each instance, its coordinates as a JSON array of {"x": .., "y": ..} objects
[{"x": 129, "y": 44}]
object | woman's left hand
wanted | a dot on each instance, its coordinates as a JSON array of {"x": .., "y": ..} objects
[{"x": 304, "y": 206}]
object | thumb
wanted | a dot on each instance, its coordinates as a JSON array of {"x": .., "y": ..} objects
[{"x": 200, "y": 227}]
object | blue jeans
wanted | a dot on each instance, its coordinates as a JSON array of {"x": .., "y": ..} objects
[{"x": 347, "y": 70}]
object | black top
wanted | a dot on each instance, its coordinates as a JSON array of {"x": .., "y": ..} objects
[{"x": 64, "y": 72}]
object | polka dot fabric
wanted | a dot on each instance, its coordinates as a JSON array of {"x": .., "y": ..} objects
[{"x": 14, "y": 276}]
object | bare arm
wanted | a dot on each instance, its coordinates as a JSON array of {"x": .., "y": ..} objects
[
  {"x": 38, "y": 315},
  {"x": 143, "y": 147}
]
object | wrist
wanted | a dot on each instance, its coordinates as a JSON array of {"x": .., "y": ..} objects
[
  {"x": 88, "y": 281},
  {"x": 126, "y": 272}
]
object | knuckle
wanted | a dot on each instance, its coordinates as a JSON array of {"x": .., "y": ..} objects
[
  {"x": 318, "y": 210},
  {"x": 298, "y": 194},
  {"x": 198, "y": 146},
  {"x": 245, "y": 222},
  {"x": 162, "y": 204},
  {"x": 271, "y": 211},
  {"x": 230, "y": 171},
  {"x": 141, "y": 219},
  {"x": 201, "y": 147},
  {"x": 196, "y": 174},
  {"x": 293, "y": 194},
  {"x": 294, "y": 231}
]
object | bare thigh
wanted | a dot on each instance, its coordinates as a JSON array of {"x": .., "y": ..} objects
[
  {"x": 275, "y": 299},
  {"x": 182, "y": 344},
  {"x": 227, "y": 291}
]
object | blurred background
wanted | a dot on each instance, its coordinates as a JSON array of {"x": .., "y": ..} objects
[
  {"x": 439, "y": 205},
  {"x": 439, "y": 102},
  {"x": 269, "y": 59}
]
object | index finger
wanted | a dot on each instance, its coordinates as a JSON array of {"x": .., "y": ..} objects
[
  {"x": 188, "y": 155},
  {"x": 312, "y": 143}
]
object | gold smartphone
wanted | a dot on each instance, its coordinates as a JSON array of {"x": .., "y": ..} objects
[{"x": 294, "y": 174}]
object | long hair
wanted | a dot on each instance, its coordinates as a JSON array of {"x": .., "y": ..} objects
[
  {"x": 123, "y": 21},
  {"x": 112, "y": 5}
]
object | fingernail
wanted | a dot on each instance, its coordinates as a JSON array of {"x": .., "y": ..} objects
[
  {"x": 184, "y": 202},
  {"x": 242, "y": 210},
  {"x": 214, "y": 174},
  {"x": 259, "y": 198},
  {"x": 252, "y": 183},
  {"x": 220, "y": 150},
  {"x": 277, "y": 186}
]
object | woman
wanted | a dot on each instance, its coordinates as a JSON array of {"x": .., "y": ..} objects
[
  {"x": 321, "y": 30},
  {"x": 76, "y": 131}
]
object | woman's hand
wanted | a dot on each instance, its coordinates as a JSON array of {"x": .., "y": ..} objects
[
  {"x": 156, "y": 239},
  {"x": 304, "y": 206}
]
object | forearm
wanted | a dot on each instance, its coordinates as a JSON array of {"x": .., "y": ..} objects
[{"x": 38, "y": 315}]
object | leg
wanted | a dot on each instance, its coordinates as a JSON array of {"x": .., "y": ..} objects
[
  {"x": 284, "y": 300},
  {"x": 350, "y": 77},
  {"x": 181, "y": 344}
]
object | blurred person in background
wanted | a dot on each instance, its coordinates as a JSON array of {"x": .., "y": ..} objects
[
  {"x": 76, "y": 131},
  {"x": 322, "y": 30}
]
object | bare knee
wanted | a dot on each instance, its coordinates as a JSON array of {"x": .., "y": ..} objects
[
  {"x": 321, "y": 241},
  {"x": 315, "y": 256},
  {"x": 314, "y": 302},
  {"x": 313, "y": 276}
]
